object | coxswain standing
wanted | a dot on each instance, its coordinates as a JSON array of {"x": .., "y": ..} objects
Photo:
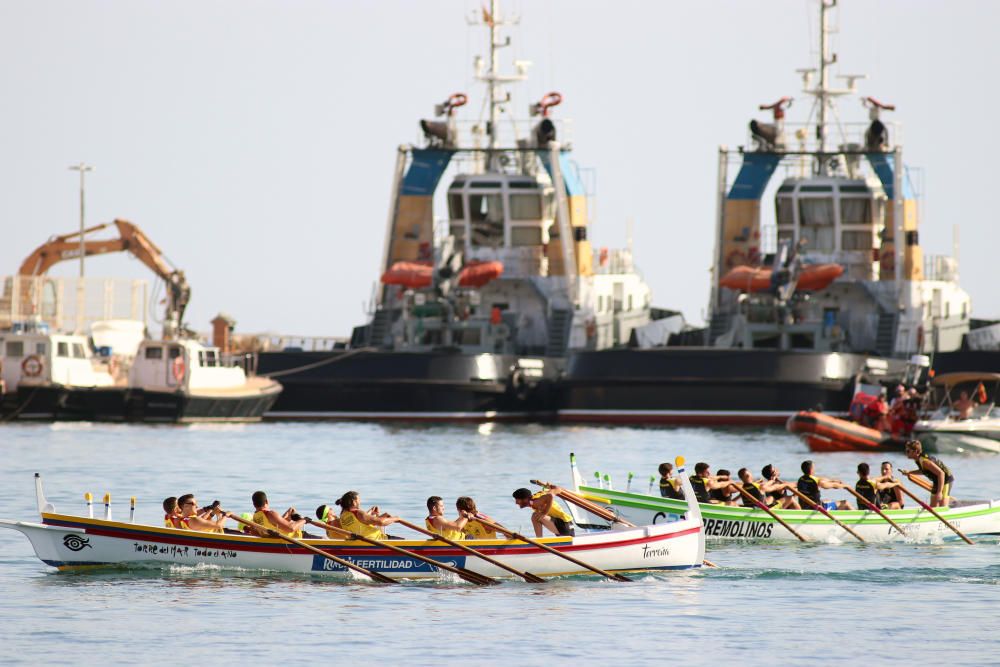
[
  {"x": 670, "y": 486},
  {"x": 437, "y": 524},
  {"x": 367, "y": 524},
  {"x": 809, "y": 485},
  {"x": 546, "y": 512},
  {"x": 933, "y": 469}
]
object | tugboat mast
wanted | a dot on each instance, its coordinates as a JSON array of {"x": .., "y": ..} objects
[{"x": 493, "y": 79}]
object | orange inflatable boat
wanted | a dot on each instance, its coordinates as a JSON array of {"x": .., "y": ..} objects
[
  {"x": 811, "y": 277},
  {"x": 824, "y": 433}
]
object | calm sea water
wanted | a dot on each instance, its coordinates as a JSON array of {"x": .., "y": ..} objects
[{"x": 767, "y": 604}]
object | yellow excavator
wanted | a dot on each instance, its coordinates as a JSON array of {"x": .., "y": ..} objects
[{"x": 130, "y": 239}]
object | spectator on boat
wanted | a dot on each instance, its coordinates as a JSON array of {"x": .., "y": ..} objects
[
  {"x": 724, "y": 495},
  {"x": 670, "y": 486},
  {"x": 704, "y": 482},
  {"x": 933, "y": 469},
  {"x": 437, "y": 524},
  {"x": 890, "y": 498},
  {"x": 475, "y": 529},
  {"x": 289, "y": 523},
  {"x": 870, "y": 489},
  {"x": 171, "y": 513},
  {"x": 367, "y": 524},
  {"x": 809, "y": 485},
  {"x": 546, "y": 512},
  {"x": 963, "y": 406},
  {"x": 752, "y": 488},
  {"x": 325, "y": 514},
  {"x": 191, "y": 518},
  {"x": 777, "y": 490}
]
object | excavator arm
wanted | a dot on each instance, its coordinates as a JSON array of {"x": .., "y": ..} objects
[{"x": 130, "y": 239}]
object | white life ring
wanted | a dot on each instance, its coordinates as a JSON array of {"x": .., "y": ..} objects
[
  {"x": 178, "y": 368},
  {"x": 32, "y": 366}
]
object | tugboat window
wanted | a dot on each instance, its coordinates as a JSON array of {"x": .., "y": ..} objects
[
  {"x": 154, "y": 352},
  {"x": 455, "y": 209},
  {"x": 62, "y": 349},
  {"x": 78, "y": 351},
  {"x": 15, "y": 348},
  {"x": 855, "y": 211},
  {"x": 525, "y": 207},
  {"x": 816, "y": 216},
  {"x": 522, "y": 236},
  {"x": 486, "y": 216},
  {"x": 785, "y": 211},
  {"x": 175, "y": 352},
  {"x": 856, "y": 241}
]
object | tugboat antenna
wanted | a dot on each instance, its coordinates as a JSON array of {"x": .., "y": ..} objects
[{"x": 493, "y": 79}]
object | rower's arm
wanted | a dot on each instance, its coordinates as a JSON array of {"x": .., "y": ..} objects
[{"x": 283, "y": 524}]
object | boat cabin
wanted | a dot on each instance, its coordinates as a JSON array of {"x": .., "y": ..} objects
[
  {"x": 39, "y": 358},
  {"x": 182, "y": 365}
]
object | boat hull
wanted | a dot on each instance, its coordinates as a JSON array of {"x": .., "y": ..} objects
[
  {"x": 121, "y": 404},
  {"x": 408, "y": 386},
  {"x": 728, "y": 523},
  {"x": 679, "y": 385},
  {"x": 67, "y": 542},
  {"x": 825, "y": 433},
  {"x": 959, "y": 437}
]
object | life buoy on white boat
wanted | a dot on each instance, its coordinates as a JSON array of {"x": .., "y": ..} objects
[
  {"x": 32, "y": 366},
  {"x": 178, "y": 368}
]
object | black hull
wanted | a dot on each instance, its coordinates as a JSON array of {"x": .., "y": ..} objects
[
  {"x": 118, "y": 404},
  {"x": 410, "y": 386},
  {"x": 704, "y": 385}
]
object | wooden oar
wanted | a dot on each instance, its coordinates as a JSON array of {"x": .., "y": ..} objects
[
  {"x": 875, "y": 509},
  {"x": 824, "y": 512},
  {"x": 767, "y": 509},
  {"x": 583, "y": 503},
  {"x": 597, "y": 510},
  {"x": 468, "y": 575},
  {"x": 545, "y": 547},
  {"x": 376, "y": 576},
  {"x": 527, "y": 576},
  {"x": 931, "y": 510},
  {"x": 919, "y": 480}
]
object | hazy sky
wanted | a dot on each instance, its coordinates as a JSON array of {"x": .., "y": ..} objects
[{"x": 254, "y": 141}]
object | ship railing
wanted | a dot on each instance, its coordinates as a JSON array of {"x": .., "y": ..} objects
[
  {"x": 800, "y": 138},
  {"x": 940, "y": 267},
  {"x": 470, "y": 135},
  {"x": 70, "y": 304},
  {"x": 267, "y": 342},
  {"x": 613, "y": 261}
]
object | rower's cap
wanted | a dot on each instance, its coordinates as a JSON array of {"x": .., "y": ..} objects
[{"x": 679, "y": 461}]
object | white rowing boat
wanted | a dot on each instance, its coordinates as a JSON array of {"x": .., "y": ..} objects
[
  {"x": 724, "y": 522},
  {"x": 67, "y": 542}
]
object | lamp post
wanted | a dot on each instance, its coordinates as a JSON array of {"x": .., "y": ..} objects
[{"x": 83, "y": 168}]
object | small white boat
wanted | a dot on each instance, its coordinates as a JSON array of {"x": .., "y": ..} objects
[
  {"x": 67, "y": 541},
  {"x": 966, "y": 419}
]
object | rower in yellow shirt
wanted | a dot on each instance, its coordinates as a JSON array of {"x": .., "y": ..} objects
[
  {"x": 437, "y": 524},
  {"x": 546, "y": 512},
  {"x": 286, "y": 524},
  {"x": 367, "y": 524},
  {"x": 474, "y": 528}
]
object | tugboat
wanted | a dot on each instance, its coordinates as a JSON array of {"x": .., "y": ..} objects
[
  {"x": 842, "y": 295},
  {"x": 472, "y": 320}
]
